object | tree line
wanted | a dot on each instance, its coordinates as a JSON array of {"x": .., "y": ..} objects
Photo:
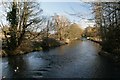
[
  {"x": 27, "y": 28},
  {"x": 107, "y": 18}
]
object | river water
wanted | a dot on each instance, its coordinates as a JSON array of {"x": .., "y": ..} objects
[{"x": 78, "y": 59}]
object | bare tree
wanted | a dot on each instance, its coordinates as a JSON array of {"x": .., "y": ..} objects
[
  {"x": 23, "y": 18},
  {"x": 61, "y": 23},
  {"x": 107, "y": 18}
]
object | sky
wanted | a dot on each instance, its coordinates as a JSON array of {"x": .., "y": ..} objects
[
  {"x": 63, "y": 0},
  {"x": 66, "y": 8}
]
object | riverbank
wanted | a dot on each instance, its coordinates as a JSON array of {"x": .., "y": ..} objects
[
  {"x": 24, "y": 48},
  {"x": 96, "y": 41},
  {"x": 29, "y": 46},
  {"x": 112, "y": 57}
]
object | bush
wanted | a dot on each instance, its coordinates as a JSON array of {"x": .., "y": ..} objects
[{"x": 49, "y": 43}]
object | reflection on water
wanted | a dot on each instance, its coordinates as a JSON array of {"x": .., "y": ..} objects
[{"x": 76, "y": 60}]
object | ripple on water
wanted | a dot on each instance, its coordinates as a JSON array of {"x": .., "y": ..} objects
[{"x": 78, "y": 59}]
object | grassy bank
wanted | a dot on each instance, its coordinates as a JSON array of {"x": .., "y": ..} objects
[{"x": 31, "y": 46}]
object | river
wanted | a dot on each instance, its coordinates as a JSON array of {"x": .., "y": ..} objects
[{"x": 78, "y": 59}]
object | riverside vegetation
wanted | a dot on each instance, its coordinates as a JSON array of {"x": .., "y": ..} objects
[
  {"x": 25, "y": 32},
  {"x": 28, "y": 30}
]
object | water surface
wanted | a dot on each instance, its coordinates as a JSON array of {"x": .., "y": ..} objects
[{"x": 79, "y": 59}]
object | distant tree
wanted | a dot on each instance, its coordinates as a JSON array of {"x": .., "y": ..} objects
[
  {"x": 61, "y": 23},
  {"x": 49, "y": 26},
  {"x": 92, "y": 31},
  {"x": 74, "y": 32}
]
